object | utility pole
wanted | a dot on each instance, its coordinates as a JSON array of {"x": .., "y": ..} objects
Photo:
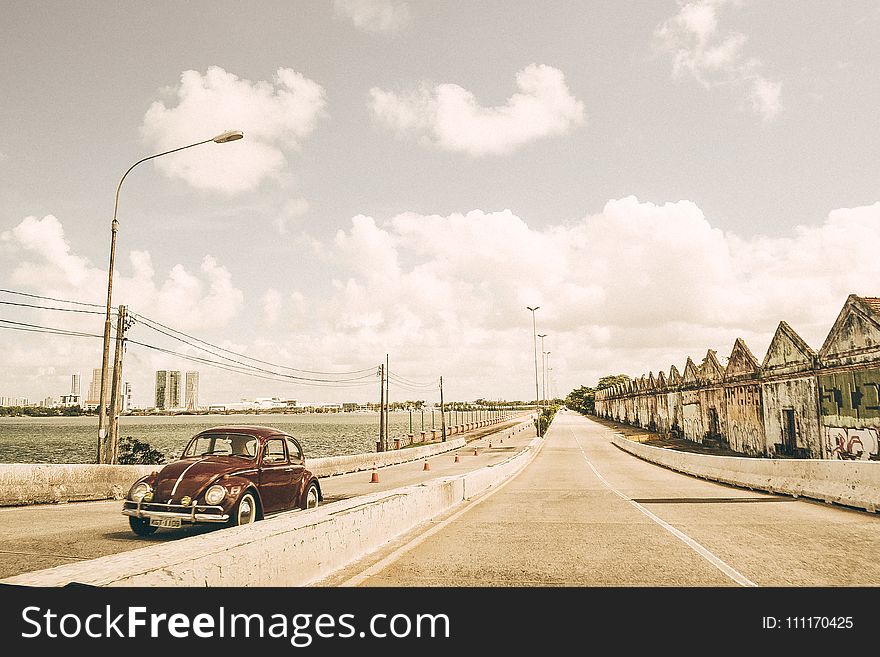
[
  {"x": 543, "y": 369},
  {"x": 110, "y": 444},
  {"x": 387, "y": 402},
  {"x": 381, "y": 444},
  {"x": 535, "y": 337},
  {"x": 442, "y": 412}
]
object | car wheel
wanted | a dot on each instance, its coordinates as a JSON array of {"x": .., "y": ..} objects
[
  {"x": 245, "y": 512},
  {"x": 312, "y": 498},
  {"x": 141, "y": 526}
]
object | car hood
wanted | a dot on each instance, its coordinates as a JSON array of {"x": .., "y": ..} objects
[{"x": 190, "y": 476}]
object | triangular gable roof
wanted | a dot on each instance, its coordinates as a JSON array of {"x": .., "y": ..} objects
[
  {"x": 661, "y": 380},
  {"x": 651, "y": 382},
  {"x": 788, "y": 352},
  {"x": 674, "y": 376},
  {"x": 690, "y": 375},
  {"x": 742, "y": 363},
  {"x": 710, "y": 368},
  {"x": 856, "y": 330}
]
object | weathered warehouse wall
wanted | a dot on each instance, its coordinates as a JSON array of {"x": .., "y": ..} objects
[
  {"x": 797, "y": 403},
  {"x": 744, "y": 402}
]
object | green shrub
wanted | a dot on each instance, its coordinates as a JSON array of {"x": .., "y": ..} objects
[{"x": 138, "y": 452}]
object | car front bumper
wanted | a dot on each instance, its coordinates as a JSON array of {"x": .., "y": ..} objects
[{"x": 192, "y": 514}]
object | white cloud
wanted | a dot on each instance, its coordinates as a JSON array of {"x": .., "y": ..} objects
[
  {"x": 714, "y": 58},
  {"x": 188, "y": 300},
  {"x": 272, "y": 303},
  {"x": 636, "y": 287},
  {"x": 450, "y": 117},
  {"x": 43, "y": 263},
  {"x": 373, "y": 15},
  {"x": 293, "y": 209},
  {"x": 275, "y": 117}
]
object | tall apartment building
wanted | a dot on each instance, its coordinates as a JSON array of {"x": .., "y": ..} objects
[
  {"x": 74, "y": 399},
  {"x": 167, "y": 389},
  {"x": 192, "y": 391},
  {"x": 95, "y": 387}
]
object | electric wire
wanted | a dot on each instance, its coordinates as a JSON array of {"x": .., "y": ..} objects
[
  {"x": 151, "y": 323},
  {"x": 277, "y": 377},
  {"x": 37, "y": 296}
]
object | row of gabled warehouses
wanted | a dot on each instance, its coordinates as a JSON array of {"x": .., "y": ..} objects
[{"x": 796, "y": 403}]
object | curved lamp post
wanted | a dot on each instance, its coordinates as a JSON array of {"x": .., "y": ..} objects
[
  {"x": 543, "y": 368},
  {"x": 230, "y": 135},
  {"x": 535, "y": 335}
]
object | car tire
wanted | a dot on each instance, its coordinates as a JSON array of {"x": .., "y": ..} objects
[
  {"x": 245, "y": 511},
  {"x": 141, "y": 526},
  {"x": 312, "y": 497}
]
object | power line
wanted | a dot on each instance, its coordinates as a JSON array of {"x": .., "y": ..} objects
[
  {"x": 152, "y": 324},
  {"x": 400, "y": 379},
  {"x": 36, "y": 328},
  {"x": 67, "y": 310},
  {"x": 37, "y": 296},
  {"x": 362, "y": 381},
  {"x": 260, "y": 369}
]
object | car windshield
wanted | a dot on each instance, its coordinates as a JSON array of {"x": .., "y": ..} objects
[{"x": 224, "y": 444}]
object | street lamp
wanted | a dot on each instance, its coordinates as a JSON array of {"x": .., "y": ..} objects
[
  {"x": 547, "y": 391},
  {"x": 222, "y": 138},
  {"x": 535, "y": 335},
  {"x": 543, "y": 370}
]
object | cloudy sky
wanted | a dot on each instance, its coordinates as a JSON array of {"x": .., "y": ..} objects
[{"x": 659, "y": 177}]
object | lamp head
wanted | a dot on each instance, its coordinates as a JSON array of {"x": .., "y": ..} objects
[{"x": 229, "y": 135}]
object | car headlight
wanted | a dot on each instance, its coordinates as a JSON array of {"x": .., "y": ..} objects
[
  {"x": 139, "y": 490},
  {"x": 215, "y": 494}
]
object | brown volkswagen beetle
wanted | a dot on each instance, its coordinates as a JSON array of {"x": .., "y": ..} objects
[{"x": 230, "y": 474}]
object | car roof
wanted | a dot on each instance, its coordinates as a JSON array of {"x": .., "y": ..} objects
[{"x": 253, "y": 430}]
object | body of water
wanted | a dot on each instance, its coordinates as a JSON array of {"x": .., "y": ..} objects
[{"x": 74, "y": 439}]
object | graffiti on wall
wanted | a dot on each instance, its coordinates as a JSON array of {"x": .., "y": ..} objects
[
  {"x": 852, "y": 444},
  {"x": 851, "y": 394}
]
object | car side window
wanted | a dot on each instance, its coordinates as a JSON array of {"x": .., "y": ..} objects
[
  {"x": 296, "y": 455},
  {"x": 275, "y": 451}
]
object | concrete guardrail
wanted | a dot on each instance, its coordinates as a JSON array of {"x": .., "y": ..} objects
[
  {"x": 851, "y": 483},
  {"x": 31, "y": 483},
  {"x": 297, "y": 548}
]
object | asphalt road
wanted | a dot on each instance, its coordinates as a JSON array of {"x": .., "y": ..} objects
[
  {"x": 44, "y": 536},
  {"x": 585, "y": 513}
]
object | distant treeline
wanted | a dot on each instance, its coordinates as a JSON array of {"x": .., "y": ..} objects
[{"x": 43, "y": 411}]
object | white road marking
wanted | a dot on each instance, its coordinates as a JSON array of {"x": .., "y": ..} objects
[{"x": 725, "y": 568}]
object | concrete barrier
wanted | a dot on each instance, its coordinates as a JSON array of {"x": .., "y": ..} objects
[
  {"x": 851, "y": 483},
  {"x": 27, "y": 483},
  {"x": 294, "y": 549}
]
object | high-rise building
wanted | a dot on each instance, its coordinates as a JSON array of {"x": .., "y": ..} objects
[
  {"x": 167, "y": 389},
  {"x": 74, "y": 399},
  {"x": 95, "y": 387},
  {"x": 192, "y": 391}
]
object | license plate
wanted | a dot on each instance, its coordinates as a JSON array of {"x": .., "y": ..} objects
[{"x": 165, "y": 522}]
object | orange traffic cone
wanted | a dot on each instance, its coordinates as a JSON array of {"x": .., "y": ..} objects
[
  {"x": 375, "y": 478},
  {"x": 427, "y": 466}
]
